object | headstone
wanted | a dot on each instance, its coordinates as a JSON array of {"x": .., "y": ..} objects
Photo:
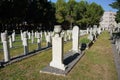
[
  {"x": 48, "y": 40},
  {"x": 75, "y": 38},
  {"x": 5, "y": 47},
  {"x": 29, "y": 35},
  {"x": 25, "y": 43},
  {"x": 21, "y": 34},
  {"x": 32, "y": 37},
  {"x": 13, "y": 36},
  {"x": 57, "y": 50},
  {"x": 87, "y": 30},
  {"x": 65, "y": 36},
  {"x": 10, "y": 41},
  {"x": 39, "y": 41}
]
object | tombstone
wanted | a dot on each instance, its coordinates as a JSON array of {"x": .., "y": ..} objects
[
  {"x": 75, "y": 38},
  {"x": 13, "y": 36},
  {"x": 6, "y": 31},
  {"x": 21, "y": 34},
  {"x": 65, "y": 36},
  {"x": 5, "y": 47},
  {"x": 10, "y": 41},
  {"x": 87, "y": 30},
  {"x": 38, "y": 40},
  {"x": 57, "y": 49},
  {"x": 29, "y": 35},
  {"x": 48, "y": 40},
  {"x": 32, "y": 37},
  {"x": 25, "y": 43},
  {"x": 99, "y": 30},
  {"x": 90, "y": 37}
]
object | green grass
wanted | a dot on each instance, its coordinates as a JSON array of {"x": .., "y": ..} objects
[
  {"x": 84, "y": 39},
  {"x": 18, "y": 47},
  {"x": 96, "y": 64}
]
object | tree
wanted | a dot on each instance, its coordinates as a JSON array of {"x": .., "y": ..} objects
[
  {"x": 116, "y": 5},
  {"x": 71, "y": 11},
  {"x": 61, "y": 11}
]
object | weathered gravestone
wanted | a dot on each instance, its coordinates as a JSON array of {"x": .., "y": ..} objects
[
  {"x": 25, "y": 43},
  {"x": 10, "y": 41},
  {"x": 57, "y": 49},
  {"x": 39, "y": 40},
  {"x": 75, "y": 38},
  {"x": 5, "y": 47}
]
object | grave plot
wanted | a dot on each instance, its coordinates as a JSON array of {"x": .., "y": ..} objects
[{"x": 62, "y": 64}]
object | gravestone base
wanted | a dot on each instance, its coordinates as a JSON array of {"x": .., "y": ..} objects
[{"x": 70, "y": 59}]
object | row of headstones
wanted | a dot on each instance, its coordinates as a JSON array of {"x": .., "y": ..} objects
[
  {"x": 116, "y": 37},
  {"x": 48, "y": 36},
  {"x": 93, "y": 32},
  {"x": 57, "y": 49},
  {"x": 117, "y": 44},
  {"x": 66, "y": 35}
]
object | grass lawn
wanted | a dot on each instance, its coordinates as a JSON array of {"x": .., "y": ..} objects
[{"x": 96, "y": 64}]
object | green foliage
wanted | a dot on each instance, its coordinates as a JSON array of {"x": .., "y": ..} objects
[
  {"x": 60, "y": 11},
  {"x": 79, "y": 13},
  {"x": 116, "y": 5},
  {"x": 32, "y": 11}
]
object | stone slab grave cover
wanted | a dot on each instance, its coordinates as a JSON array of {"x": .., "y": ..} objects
[{"x": 61, "y": 65}]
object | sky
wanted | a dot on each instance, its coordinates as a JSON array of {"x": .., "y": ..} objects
[{"x": 103, "y": 3}]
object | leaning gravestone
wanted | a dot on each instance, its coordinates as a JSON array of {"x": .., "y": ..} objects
[
  {"x": 57, "y": 50},
  {"x": 75, "y": 38},
  {"x": 5, "y": 47}
]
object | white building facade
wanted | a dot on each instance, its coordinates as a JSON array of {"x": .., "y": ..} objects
[{"x": 108, "y": 20}]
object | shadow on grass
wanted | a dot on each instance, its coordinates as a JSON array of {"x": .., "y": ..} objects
[{"x": 20, "y": 57}]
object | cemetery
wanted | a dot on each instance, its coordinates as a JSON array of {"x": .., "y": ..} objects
[{"x": 65, "y": 40}]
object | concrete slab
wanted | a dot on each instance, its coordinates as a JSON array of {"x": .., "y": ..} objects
[{"x": 70, "y": 59}]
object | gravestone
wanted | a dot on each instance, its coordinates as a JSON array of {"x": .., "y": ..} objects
[
  {"x": 5, "y": 47},
  {"x": 48, "y": 40},
  {"x": 21, "y": 33},
  {"x": 32, "y": 37},
  {"x": 90, "y": 37},
  {"x": 29, "y": 35},
  {"x": 75, "y": 38},
  {"x": 13, "y": 36},
  {"x": 39, "y": 40},
  {"x": 25, "y": 43},
  {"x": 57, "y": 49},
  {"x": 10, "y": 41}
]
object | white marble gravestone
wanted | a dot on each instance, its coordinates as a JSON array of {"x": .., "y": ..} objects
[
  {"x": 57, "y": 50},
  {"x": 25, "y": 43},
  {"x": 75, "y": 38},
  {"x": 13, "y": 36},
  {"x": 39, "y": 40},
  {"x": 10, "y": 41},
  {"x": 5, "y": 47},
  {"x": 21, "y": 33},
  {"x": 48, "y": 40},
  {"x": 32, "y": 37}
]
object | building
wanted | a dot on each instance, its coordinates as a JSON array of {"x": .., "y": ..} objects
[{"x": 108, "y": 20}]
